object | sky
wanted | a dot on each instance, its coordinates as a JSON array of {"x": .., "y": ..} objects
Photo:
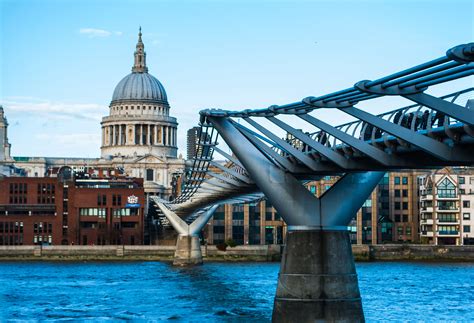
[{"x": 61, "y": 60}]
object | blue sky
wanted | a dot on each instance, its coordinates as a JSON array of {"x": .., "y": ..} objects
[{"x": 60, "y": 60}]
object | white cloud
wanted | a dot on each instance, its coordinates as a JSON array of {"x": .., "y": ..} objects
[
  {"x": 53, "y": 110},
  {"x": 94, "y": 32},
  {"x": 71, "y": 138}
]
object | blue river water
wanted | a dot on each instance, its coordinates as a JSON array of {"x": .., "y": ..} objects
[{"x": 217, "y": 292}]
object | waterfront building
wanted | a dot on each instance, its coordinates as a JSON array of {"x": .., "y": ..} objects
[
  {"x": 246, "y": 224},
  {"x": 389, "y": 215},
  {"x": 447, "y": 206},
  {"x": 72, "y": 209},
  {"x": 139, "y": 136}
]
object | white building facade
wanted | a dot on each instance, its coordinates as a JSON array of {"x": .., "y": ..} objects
[{"x": 447, "y": 207}]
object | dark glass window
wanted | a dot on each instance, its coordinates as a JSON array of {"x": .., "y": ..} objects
[{"x": 149, "y": 175}]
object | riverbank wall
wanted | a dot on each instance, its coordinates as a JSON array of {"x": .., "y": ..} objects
[{"x": 238, "y": 253}]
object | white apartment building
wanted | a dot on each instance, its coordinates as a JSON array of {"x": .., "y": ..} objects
[{"x": 447, "y": 206}]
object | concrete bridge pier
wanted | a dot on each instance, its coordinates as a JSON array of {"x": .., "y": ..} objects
[
  {"x": 317, "y": 280},
  {"x": 188, "y": 247},
  {"x": 188, "y": 251}
]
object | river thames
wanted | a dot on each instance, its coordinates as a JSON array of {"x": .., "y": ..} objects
[{"x": 216, "y": 292}]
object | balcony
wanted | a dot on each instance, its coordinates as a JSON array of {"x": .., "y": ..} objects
[
  {"x": 427, "y": 221},
  {"x": 427, "y": 209},
  {"x": 427, "y": 233},
  {"x": 447, "y": 209},
  {"x": 448, "y": 233},
  {"x": 427, "y": 197},
  {"x": 446, "y": 197},
  {"x": 448, "y": 221}
]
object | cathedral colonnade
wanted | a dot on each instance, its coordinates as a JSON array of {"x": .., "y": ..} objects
[{"x": 130, "y": 134}]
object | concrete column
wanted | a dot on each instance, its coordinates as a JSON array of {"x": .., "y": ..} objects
[
  {"x": 120, "y": 134},
  {"x": 359, "y": 227},
  {"x": 374, "y": 219},
  {"x": 156, "y": 135},
  {"x": 103, "y": 136},
  {"x": 148, "y": 135},
  {"x": 141, "y": 134},
  {"x": 113, "y": 135},
  {"x": 160, "y": 134},
  {"x": 188, "y": 247},
  {"x": 317, "y": 280},
  {"x": 188, "y": 251}
]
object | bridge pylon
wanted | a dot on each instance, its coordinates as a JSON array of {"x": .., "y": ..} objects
[
  {"x": 317, "y": 279},
  {"x": 188, "y": 248}
]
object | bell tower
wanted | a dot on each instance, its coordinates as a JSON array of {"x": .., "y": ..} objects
[{"x": 4, "y": 145}]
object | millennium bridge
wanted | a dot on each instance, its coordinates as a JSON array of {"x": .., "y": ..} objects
[{"x": 317, "y": 279}]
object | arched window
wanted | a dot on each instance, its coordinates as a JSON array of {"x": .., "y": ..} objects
[
  {"x": 446, "y": 189},
  {"x": 149, "y": 174}
]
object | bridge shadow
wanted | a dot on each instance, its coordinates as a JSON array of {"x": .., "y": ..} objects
[{"x": 228, "y": 291}]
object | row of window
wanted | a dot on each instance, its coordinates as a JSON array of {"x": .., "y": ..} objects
[
  {"x": 102, "y": 212},
  {"x": 43, "y": 227},
  {"x": 46, "y": 188},
  {"x": 18, "y": 188},
  {"x": 404, "y": 180},
  {"x": 11, "y": 240},
  {"x": 11, "y": 227},
  {"x": 161, "y": 109}
]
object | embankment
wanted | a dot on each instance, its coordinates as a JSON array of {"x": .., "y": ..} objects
[{"x": 239, "y": 253}]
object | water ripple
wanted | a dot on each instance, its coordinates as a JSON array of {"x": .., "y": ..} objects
[{"x": 217, "y": 292}]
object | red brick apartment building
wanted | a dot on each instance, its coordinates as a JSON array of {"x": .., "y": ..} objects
[{"x": 69, "y": 210}]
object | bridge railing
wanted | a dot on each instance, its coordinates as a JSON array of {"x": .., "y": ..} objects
[{"x": 415, "y": 117}]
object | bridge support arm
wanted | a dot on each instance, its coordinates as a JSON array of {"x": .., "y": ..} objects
[
  {"x": 188, "y": 248},
  {"x": 317, "y": 279}
]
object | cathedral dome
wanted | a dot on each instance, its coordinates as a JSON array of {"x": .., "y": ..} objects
[{"x": 139, "y": 87}]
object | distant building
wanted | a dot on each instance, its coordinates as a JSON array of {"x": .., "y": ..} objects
[
  {"x": 138, "y": 136},
  {"x": 390, "y": 214},
  {"x": 6, "y": 162},
  {"x": 251, "y": 223},
  {"x": 70, "y": 209},
  {"x": 447, "y": 207},
  {"x": 192, "y": 142}
]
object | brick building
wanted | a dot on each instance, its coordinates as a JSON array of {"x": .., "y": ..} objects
[{"x": 69, "y": 210}]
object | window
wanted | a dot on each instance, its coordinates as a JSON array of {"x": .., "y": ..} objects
[
  {"x": 446, "y": 189},
  {"x": 149, "y": 174},
  {"x": 447, "y": 217},
  {"x": 400, "y": 230},
  {"x": 462, "y": 191},
  {"x": 466, "y": 204},
  {"x": 405, "y": 205},
  {"x": 397, "y": 180},
  {"x": 467, "y": 228},
  {"x": 408, "y": 231},
  {"x": 367, "y": 203},
  {"x": 462, "y": 180},
  {"x": 405, "y": 180},
  {"x": 397, "y": 205},
  {"x": 101, "y": 213},
  {"x": 447, "y": 205},
  {"x": 405, "y": 217},
  {"x": 405, "y": 193},
  {"x": 466, "y": 216},
  {"x": 397, "y": 217},
  {"x": 397, "y": 193}
]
